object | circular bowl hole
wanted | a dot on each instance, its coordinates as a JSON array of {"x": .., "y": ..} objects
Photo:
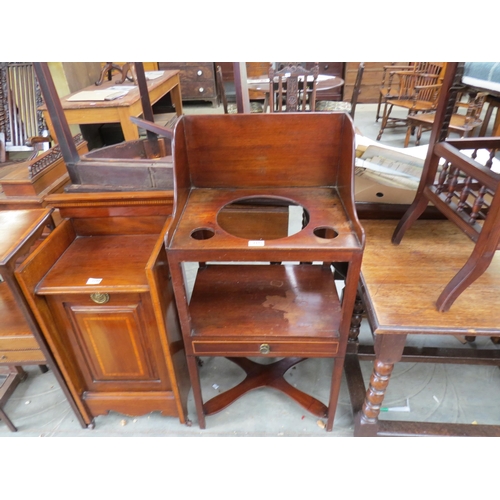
[
  {"x": 262, "y": 218},
  {"x": 325, "y": 232},
  {"x": 202, "y": 233}
]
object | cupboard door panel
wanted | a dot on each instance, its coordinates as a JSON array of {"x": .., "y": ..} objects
[
  {"x": 112, "y": 339},
  {"x": 116, "y": 344}
]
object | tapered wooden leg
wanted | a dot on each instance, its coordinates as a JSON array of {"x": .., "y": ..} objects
[
  {"x": 385, "y": 116},
  {"x": 338, "y": 365},
  {"x": 194, "y": 376},
  {"x": 407, "y": 136}
]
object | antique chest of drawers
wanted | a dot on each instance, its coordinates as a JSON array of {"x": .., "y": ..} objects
[{"x": 198, "y": 82}]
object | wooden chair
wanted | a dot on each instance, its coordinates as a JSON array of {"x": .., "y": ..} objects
[
  {"x": 493, "y": 102},
  {"x": 231, "y": 107},
  {"x": 294, "y": 86},
  {"x": 20, "y": 120},
  {"x": 388, "y": 91},
  {"x": 415, "y": 92},
  {"x": 464, "y": 121},
  {"x": 466, "y": 192},
  {"x": 348, "y": 107}
]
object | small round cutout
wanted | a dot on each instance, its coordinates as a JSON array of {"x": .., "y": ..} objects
[
  {"x": 202, "y": 233},
  {"x": 325, "y": 232},
  {"x": 379, "y": 195}
]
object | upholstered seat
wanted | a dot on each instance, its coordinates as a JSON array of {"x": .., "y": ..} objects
[
  {"x": 255, "y": 107},
  {"x": 333, "y": 106},
  {"x": 347, "y": 106}
]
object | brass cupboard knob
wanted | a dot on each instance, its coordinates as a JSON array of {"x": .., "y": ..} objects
[
  {"x": 265, "y": 348},
  {"x": 99, "y": 298}
]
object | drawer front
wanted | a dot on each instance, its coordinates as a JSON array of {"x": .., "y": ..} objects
[
  {"x": 197, "y": 79},
  {"x": 330, "y": 68},
  {"x": 277, "y": 348},
  {"x": 34, "y": 356},
  {"x": 197, "y": 73},
  {"x": 25, "y": 342},
  {"x": 198, "y": 90}
]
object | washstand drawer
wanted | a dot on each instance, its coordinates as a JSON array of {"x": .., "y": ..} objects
[
  {"x": 278, "y": 348},
  {"x": 18, "y": 343},
  {"x": 32, "y": 356}
]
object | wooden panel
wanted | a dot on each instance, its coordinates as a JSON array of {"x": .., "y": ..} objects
[
  {"x": 14, "y": 324},
  {"x": 116, "y": 344},
  {"x": 112, "y": 339},
  {"x": 372, "y": 79},
  {"x": 33, "y": 356},
  {"x": 22, "y": 227},
  {"x": 101, "y": 257},
  {"x": 290, "y": 302},
  {"x": 197, "y": 79},
  {"x": 255, "y": 222},
  {"x": 198, "y": 90},
  {"x": 416, "y": 271},
  {"x": 305, "y": 145},
  {"x": 132, "y": 403}
]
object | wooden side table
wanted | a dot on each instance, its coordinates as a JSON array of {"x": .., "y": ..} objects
[
  {"x": 399, "y": 287},
  {"x": 21, "y": 340},
  {"x": 272, "y": 297},
  {"x": 118, "y": 110}
]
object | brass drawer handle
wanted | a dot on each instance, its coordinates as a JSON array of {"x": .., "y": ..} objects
[
  {"x": 265, "y": 348},
  {"x": 99, "y": 298}
]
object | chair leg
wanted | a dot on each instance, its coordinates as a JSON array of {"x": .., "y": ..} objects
[
  {"x": 194, "y": 376},
  {"x": 411, "y": 215},
  {"x": 379, "y": 105},
  {"x": 418, "y": 135},
  {"x": 385, "y": 117},
  {"x": 475, "y": 266},
  {"x": 407, "y": 137}
]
